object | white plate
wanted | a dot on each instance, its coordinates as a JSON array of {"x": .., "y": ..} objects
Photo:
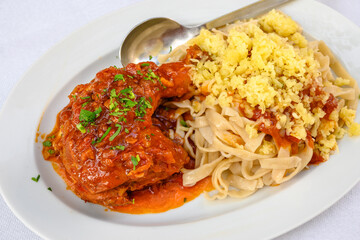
[{"x": 61, "y": 215}]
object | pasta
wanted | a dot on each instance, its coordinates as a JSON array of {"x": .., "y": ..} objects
[{"x": 267, "y": 104}]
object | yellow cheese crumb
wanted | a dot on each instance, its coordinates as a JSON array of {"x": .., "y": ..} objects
[
  {"x": 278, "y": 22},
  {"x": 268, "y": 64},
  {"x": 354, "y": 129},
  {"x": 251, "y": 130},
  {"x": 347, "y": 115},
  {"x": 267, "y": 148}
]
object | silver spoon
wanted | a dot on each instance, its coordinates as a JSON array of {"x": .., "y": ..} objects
[{"x": 158, "y": 36}]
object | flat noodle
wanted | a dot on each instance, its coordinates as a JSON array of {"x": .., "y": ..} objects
[
  {"x": 340, "y": 71},
  {"x": 230, "y": 148}
]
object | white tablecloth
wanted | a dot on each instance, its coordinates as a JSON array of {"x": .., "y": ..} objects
[{"x": 29, "y": 28}]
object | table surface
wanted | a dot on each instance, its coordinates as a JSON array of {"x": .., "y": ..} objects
[{"x": 27, "y": 32}]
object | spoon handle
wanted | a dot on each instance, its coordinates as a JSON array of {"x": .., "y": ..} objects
[{"x": 250, "y": 11}]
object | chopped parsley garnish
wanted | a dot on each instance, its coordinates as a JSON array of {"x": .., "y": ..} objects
[
  {"x": 122, "y": 119},
  {"x": 104, "y": 90},
  {"x": 74, "y": 96},
  {"x": 113, "y": 104},
  {"x": 116, "y": 114},
  {"x": 132, "y": 77},
  {"x": 128, "y": 103},
  {"x": 81, "y": 128},
  {"x": 183, "y": 123},
  {"x": 36, "y": 179},
  {"x": 47, "y": 144},
  {"x": 51, "y": 151},
  {"x": 113, "y": 93},
  {"x": 86, "y": 116},
  {"x": 153, "y": 75},
  {"x": 116, "y": 133},
  {"x": 152, "y": 134},
  {"x": 150, "y": 99},
  {"x": 84, "y": 104},
  {"x": 97, "y": 112},
  {"x": 119, "y": 147},
  {"x": 104, "y": 135},
  {"x": 142, "y": 105},
  {"x": 185, "y": 200},
  {"x": 170, "y": 49},
  {"x": 119, "y": 77},
  {"x": 146, "y": 64},
  {"x": 150, "y": 57},
  {"x": 128, "y": 91},
  {"x": 51, "y": 137},
  {"x": 49, "y": 188},
  {"x": 148, "y": 137},
  {"x": 89, "y": 116},
  {"x": 140, "y": 120},
  {"x": 87, "y": 97},
  {"x": 126, "y": 130},
  {"x": 133, "y": 201},
  {"x": 135, "y": 160},
  {"x": 139, "y": 72}
]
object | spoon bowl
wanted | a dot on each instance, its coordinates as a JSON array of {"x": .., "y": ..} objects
[
  {"x": 154, "y": 37},
  {"x": 158, "y": 36}
]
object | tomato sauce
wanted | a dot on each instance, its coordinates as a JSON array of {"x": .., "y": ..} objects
[
  {"x": 316, "y": 159},
  {"x": 111, "y": 146},
  {"x": 165, "y": 196},
  {"x": 284, "y": 140}
]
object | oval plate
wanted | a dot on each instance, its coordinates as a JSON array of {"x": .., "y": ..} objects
[{"x": 59, "y": 214}]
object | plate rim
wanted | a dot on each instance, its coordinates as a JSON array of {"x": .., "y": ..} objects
[{"x": 44, "y": 56}]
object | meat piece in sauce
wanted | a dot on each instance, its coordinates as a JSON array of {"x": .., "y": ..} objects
[{"x": 105, "y": 143}]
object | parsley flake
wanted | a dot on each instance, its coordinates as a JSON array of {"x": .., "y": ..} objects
[
  {"x": 135, "y": 160},
  {"x": 119, "y": 77},
  {"x": 47, "y": 144},
  {"x": 81, "y": 128},
  {"x": 113, "y": 93},
  {"x": 150, "y": 57},
  {"x": 119, "y": 147},
  {"x": 142, "y": 105},
  {"x": 84, "y": 104},
  {"x": 126, "y": 130},
  {"x": 89, "y": 116},
  {"x": 116, "y": 133},
  {"x": 87, "y": 97},
  {"x": 36, "y": 179},
  {"x": 183, "y": 123},
  {"x": 49, "y": 188},
  {"x": 146, "y": 64},
  {"x": 104, "y": 135}
]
